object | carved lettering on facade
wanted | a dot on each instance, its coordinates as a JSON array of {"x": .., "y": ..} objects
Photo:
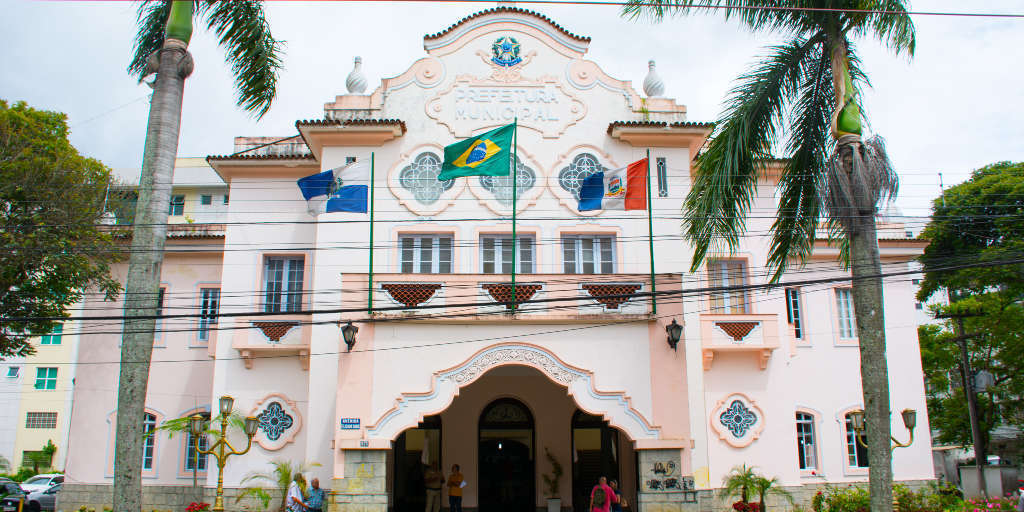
[{"x": 470, "y": 105}]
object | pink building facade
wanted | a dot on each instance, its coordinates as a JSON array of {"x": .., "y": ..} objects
[{"x": 441, "y": 371}]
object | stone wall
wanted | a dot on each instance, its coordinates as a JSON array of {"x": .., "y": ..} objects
[
  {"x": 98, "y": 497},
  {"x": 364, "y": 489},
  {"x": 711, "y": 501}
]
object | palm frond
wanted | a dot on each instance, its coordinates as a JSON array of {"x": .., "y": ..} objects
[
  {"x": 252, "y": 52},
  {"x": 809, "y": 143},
  {"x": 892, "y": 25},
  {"x": 726, "y": 173},
  {"x": 756, "y": 14},
  {"x": 152, "y": 20}
]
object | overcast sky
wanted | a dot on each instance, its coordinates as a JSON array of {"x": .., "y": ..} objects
[{"x": 955, "y": 107}]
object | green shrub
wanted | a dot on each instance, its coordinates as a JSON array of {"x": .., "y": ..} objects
[
  {"x": 842, "y": 499},
  {"x": 986, "y": 505},
  {"x": 933, "y": 498}
]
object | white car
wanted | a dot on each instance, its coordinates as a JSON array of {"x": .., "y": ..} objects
[{"x": 41, "y": 482}]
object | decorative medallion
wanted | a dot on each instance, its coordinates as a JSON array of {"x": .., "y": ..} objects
[
  {"x": 278, "y": 420},
  {"x": 505, "y": 51},
  {"x": 738, "y": 420},
  {"x": 274, "y": 421}
]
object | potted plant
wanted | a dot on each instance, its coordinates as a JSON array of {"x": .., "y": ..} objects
[{"x": 551, "y": 481}]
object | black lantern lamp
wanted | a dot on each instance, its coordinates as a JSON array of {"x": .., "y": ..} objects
[
  {"x": 348, "y": 333},
  {"x": 675, "y": 332}
]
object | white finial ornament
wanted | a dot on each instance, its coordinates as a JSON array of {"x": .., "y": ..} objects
[
  {"x": 356, "y": 82},
  {"x": 653, "y": 86}
]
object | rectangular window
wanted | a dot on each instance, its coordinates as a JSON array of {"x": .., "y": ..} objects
[
  {"x": 728, "y": 274},
  {"x": 910, "y": 234},
  {"x": 350, "y": 159},
  {"x": 177, "y": 205},
  {"x": 225, "y": 199},
  {"x": 496, "y": 254},
  {"x": 426, "y": 254},
  {"x": 915, "y": 282},
  {"x": 662, "y": 168},
  {"x": 282, "y": 284},
  {"x": 148, "y": 440},
  {"x": 208, "y": 307},
  {"x": 857, "y": 453},
  {"x": 918, "y": 305},
  {"x": 46, "y": 378},
  {"x": 793, "y": 313},
  {"x": 844, "y": 306},
  {"x": 205, "y": 200},
  {"x": 13, "y": 371},
  {"x": 54, "y": 337},
  {"x": 31, "y": 458},
  {"x": 806, "y": 448},
  {"x": 588, "y": 254},
  {"x": 41, "y": 420}
]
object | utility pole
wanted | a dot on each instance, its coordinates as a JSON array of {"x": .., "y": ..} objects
[{"x": 980, "y": 459}]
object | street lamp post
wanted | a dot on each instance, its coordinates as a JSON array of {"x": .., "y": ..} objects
[
  {"x": 222, "y": 449},
  {"x": 909, "y": 421}
]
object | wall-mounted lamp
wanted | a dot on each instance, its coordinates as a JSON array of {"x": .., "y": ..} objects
[
  {"x": 909, "y": 421},
  {"x": 348, "y": 333},
  {"x": 675, "y": 332}
]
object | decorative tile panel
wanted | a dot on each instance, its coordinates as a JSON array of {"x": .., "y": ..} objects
[
  {"x": 612, "y": 295},
  {"x": 411, "y": 294},
  {"x": 502, "y": 292},
  {"x": 274, "y": 331}
]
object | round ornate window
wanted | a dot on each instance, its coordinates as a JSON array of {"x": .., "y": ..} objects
[
  {"x": 420, "y": 178},
  {"x": 571, "y": 177},
  {"x": 501, "y": 186}
]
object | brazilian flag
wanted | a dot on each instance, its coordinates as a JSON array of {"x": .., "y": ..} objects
[{"x": 488, "y": 154}]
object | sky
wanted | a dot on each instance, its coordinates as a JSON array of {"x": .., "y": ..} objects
[{"x": 954, "y": 107}]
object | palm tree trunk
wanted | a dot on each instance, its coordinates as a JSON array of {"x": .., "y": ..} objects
[
  {"x": 143, "y": 283},
  {"x": 866, "y": 269}
]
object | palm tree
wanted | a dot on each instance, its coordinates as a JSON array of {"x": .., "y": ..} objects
[
  {"x": 161, "y": 47},
  {"x": 740, "y": 481},
  {"x": 277, "y": 479},
  {"x": 808, "y": 85},
  {"x": 769, "y": 487}
]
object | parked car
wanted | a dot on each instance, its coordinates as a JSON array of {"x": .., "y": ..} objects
[
  {"x": 41, "y": 482},
  {"x": 43, "y": 501},
  {"x": 12, "y": 496}
]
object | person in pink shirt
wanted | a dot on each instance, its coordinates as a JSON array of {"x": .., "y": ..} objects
[{"x": 602, "y": 496}]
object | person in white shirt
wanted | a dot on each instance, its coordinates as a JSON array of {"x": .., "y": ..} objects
[{"x": 294, "y": 501}]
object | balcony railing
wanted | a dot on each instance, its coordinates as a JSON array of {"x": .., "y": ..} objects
[
  {"x": 547, "y": 297},
  {"x": 757, "y": 335},
  {"x": 272, "y": 336}
]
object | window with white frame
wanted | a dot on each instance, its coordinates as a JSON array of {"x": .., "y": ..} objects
[
  {"x": 728, "y": 274},
  {"x": 805, "y": 442},
  {"x": 206, "y": 200},
  {"x": 46, "y": 378},
  {"x": 41, "y": 420},
  {"x": 844, "y": 310},
  {"x": 13, "y": 372},
  {"x": 856, "y": 451},
  {"x": 148, "y": 440},
  {"x": 588, "y": 254},
  {"x": 282, "y": 283},
  {"x": 193, "y": 459},
  {"x": 426, "y": 254},
  {"x": 54, "y": 337},
  {"x": 177, "y": 206},
  {"x": 208, "y": 306},
  {"x": 496, "y": 254},
  {"x": 793, "y": 312}
]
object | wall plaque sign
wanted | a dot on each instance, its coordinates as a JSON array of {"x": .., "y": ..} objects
[
  {"x": 470, "y": 105},
  {"x": 350, "y": 423}
]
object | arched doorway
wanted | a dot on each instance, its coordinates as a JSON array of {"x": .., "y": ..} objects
[
  {"x": 416, "y": 449},
  {"x": 596, "y": 453},
  {"x": 506, "y": 457}
]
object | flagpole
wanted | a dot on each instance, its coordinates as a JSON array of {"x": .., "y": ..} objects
[
  {"x": 512, "y": 171},
  {"x": 369, "y": 295},
  {"x": 650, "y": 237}
]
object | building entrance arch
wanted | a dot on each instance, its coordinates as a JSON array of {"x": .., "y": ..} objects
[
  {"x": 614, "y": 407},
  {"x": 506, "y": 457}
]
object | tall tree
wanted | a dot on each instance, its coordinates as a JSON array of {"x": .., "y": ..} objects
[
  {"x": 51, "y": 248},
  {"x": 809, "y": 87},
  {"x": 977, "y": 221},
  {"x": 161, "y": 47}
]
